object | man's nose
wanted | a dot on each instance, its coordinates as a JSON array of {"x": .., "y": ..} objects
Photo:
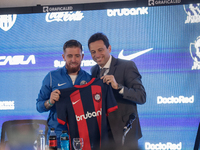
[
  {"x": 97, "y": 54},
  {"x": 73, "y": 59}
]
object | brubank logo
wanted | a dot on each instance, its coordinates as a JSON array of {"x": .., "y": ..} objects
[
  {"x": 161, "y": 146},
  {"x": 193, "y": 13},
  {"x": 7, "y": 21},
  {"x": 175, "y": 100},
  {"x": 127, "y": 12},
  {"x": 16, "y": 60},
  {"x": 89, "y": 115},
  {"x": 195, "y": 53},
  {"x": 87, "y": 63},
  {"x": 64, "y": 16}
]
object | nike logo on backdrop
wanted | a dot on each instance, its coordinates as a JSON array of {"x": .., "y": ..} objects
[
  {"x": 75, "y": 102},
  {"x": 132, "y": 56},
  {"x": 61, "y": 84}
]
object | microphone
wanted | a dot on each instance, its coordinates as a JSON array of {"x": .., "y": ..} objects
[
  {"x": 128, "y": 126},
  {"x": 129, "y": 122}
]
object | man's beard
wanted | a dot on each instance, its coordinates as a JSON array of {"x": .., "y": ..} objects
[{"x": 72, "y": 70}]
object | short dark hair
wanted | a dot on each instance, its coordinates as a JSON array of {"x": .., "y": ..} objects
[
  {"x": 72, "y": 43},
  {"x": 99, "y": 36}
]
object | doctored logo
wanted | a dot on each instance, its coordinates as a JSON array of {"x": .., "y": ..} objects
[
  {"x": 7, "y": 105},
  {"x": 193, "y": 13},
  {"x": 89, "y": 115},
  {"x": 175, "y": 100},
  {"x": 64, "y": 16},
  {"x": 195, "y": 53},
  {"x": 16, "y": 60},
  {"x": 7, "y": 21},
  {"x": 127, "y": 11},
  {"x": 160, "y": 146}
]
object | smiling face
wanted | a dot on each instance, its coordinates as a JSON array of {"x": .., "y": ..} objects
[
  {"x": 73, "y": 57},
  {"x": 99, "y": 52}
]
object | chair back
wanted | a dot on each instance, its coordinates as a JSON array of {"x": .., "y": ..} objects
[{"x": 21, "y": 134}]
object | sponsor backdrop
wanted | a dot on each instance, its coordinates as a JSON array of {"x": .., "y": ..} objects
[{"x": 163, "y": 41}]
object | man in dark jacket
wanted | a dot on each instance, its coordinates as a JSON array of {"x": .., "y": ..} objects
[{"x": 127, "y": 86}]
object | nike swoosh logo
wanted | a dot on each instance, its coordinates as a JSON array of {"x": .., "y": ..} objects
[
  {"x": 132, "y": 56},
  {"x": 75, "y": 102},
  {"x": 61, "y": 84}
]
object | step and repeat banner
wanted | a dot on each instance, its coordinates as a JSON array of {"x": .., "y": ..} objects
[{"x": 163, "y": 41}]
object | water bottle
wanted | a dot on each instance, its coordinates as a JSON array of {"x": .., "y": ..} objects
[
  {"x": 64, "y": 140},
  {"x": 41, "y": 141},
  {"x": 52, "y": 140}
]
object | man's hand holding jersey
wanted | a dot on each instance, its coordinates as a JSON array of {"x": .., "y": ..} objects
[
  {"x": 110, "y": 79},
  {"x": 55, "y": 95}
]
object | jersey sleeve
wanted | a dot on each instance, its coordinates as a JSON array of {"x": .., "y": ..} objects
[{"x": 111, "y": 102}]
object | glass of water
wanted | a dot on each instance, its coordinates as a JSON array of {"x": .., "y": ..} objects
[{"x": 78, "y": 143}]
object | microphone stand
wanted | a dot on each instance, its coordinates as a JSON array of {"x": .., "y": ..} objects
[
  {"x": 125, "y": 132},
  {"x": 128, "y": 127}
]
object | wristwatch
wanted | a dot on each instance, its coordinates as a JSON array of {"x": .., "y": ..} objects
[{"x": 120, "y": 87}]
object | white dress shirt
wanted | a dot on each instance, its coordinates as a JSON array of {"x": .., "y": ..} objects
[{"x": 107, "y": 65}]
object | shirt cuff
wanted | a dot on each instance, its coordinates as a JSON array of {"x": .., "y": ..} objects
[{"x": 121, "y": 91}]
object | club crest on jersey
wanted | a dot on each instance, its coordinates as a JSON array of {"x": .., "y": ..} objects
[
  {"x": 83, "y": 82},
  {"x": 97, "y": 97}
]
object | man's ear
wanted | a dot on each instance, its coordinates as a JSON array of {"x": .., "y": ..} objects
[
  {"x": 82, "y": 56},
  {"x": 63, "y": 56},
  {"x": 109, "y": 48}
]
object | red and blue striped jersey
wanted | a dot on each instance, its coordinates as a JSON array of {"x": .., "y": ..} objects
[{"x": 85, "y": 109}]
